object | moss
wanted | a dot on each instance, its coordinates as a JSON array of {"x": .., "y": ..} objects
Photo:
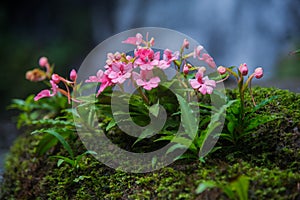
[{"x": 270, "y": 158}]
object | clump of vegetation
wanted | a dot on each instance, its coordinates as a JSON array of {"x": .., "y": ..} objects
[{"x": 256, "y": 157}]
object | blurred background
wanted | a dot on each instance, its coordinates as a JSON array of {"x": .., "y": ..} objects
[{"x": 260, "y": 33}]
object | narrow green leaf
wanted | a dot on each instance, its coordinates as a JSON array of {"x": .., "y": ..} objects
[
  {"x": 111, "y": 124},
  {"x": 62, "y": 141},
  {"x": 46, "y": 143},
  {"x": 230, "y": 126},
  {"x": 65, "y": 159},
  {"x": 176, "y": 146},
  {"x": 148, "y": 132},
  {"x": 241, "y": 186},
  {"x": 154, "y": 109},
  {"x": 188, "y": 119},
  {"x": 205, "y": 185},
  {"x": 59, "y": 162}
]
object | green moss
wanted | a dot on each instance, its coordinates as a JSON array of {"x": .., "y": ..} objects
[{"x": 270, "y": 158}]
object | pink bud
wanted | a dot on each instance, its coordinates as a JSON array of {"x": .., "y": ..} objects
[
  {"x": 55, "y": 78},
  {"x": 185, "y": 69},
  {"x": 152, "y": 42},
  {"x": 43, "y": 61},
  {"x": 258, "y": 73},
  {"x": 221, "y": 70},
  {"x": 73, "y": 75},
  {"x": 185, "y": 44},
  {"x": 197, "y": 51},
  {"x": 243, "y": 69}
]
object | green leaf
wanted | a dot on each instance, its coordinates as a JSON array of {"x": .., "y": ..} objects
[
  {"x": 176, "y": 146},
  {"x": 79, "y": 157},
  {"x": 257, "y": 121},
  {"x": 230, "y": 126},
  {"x": 188, "y": 119},
  {"x": 214, "y": 123},
  {"x": 241, "y": 186},
  {"x": 65, "y": 159},
  {"x": 111, "y": 124},
  {"x": 188, "y": 143},
  {"x": 148, "y": 132},
  {"x": 205, "y": 185},
  {"x": 46, "y": 143},
  {"x": 62, "y": 141},
  {"x": 154, "y": 109},
  {"x": 263, "y": 103},
  {"x": 59, "y": 162}
]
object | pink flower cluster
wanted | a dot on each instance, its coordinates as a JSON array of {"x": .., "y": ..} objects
[
  {"x": 39, "y": 75},
  {"x": 120, "y": 67}
]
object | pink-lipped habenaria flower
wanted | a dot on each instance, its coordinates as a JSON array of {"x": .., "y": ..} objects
[
  {"x": 119, "y": 72},
  {"x": 47, "y": 93},
  {"x": 137, "y": 40},
  {"x": 169, "y": 56},
  {"x": 146, "y": 59},
  {"x": 146, "y": 79},
  {"x": 202, "y": 84},
  {"x": 113, "y": 58},
  {"x": 209, "y": 60},
  {"x": 197, "y": 51},
  {"x": 205, "y": 56},
  {"x": 102, "y": 78},
  {"x": 243, "y": 68}
]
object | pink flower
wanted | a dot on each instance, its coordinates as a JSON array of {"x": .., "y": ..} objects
[
  {"x": 35, "y": 75},
  {"x": 146, "y": 58},
  {"x": 185, "y": 44},
  {"x": 202, "y": 84},
  {"x": 97, "y": 78},
  {"x": 47, "y": 93},
  {"x": 146, "y": 79},
  {"x": 197, "y": 51},
  {"x": 243, "y": 69},
  {"x": 258, "y": 72},
  {"x": 137, "y": 40},
  {"x": 151, "y": 42},
  {"x": 221, "y": 70},
  {"x": 119, "y": 72},
  {"x": 43, "y": 61},
  {"x": 185, "y": 69},
  {"x": 56, "y": 78},
  {"x": 73, "y": 75},
  {"x": 102, "y": 78},
  {"x": 169, "y": 56},
  {"x": 42, "y": 94},
  {"x": 209, "y": 60}
]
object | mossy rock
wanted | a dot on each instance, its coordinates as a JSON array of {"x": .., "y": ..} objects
[{"x": 270, "y": 157}]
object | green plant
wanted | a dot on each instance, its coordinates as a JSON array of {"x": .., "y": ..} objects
[{"x": 235, "y": 190}]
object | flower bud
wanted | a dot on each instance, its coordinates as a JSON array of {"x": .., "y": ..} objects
[
  {"x": 55, "y": 78},
  {"x": 185, "y": 44},
  {"x": 73, "y": 75},
  {"x": 185, "y": 69},
  {"x": 258, "y": 73},
  {"x": 43, "y": 61},
  {"x": 221, "y": 70},
  {"x": 243, "y": 69}
]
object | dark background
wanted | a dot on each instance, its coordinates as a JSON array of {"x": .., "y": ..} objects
[{"x": 261, "y": 33}]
